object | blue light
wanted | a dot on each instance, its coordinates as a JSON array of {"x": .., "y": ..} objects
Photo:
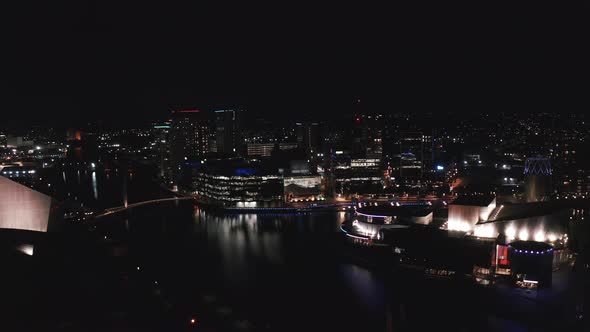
[
  {"x": 439, "y": 167},
  {"x": 245, "y": 171}
]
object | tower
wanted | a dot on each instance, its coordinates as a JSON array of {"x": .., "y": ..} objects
[
  {"x": 228, "y": 137},
  {"x": 411, "y": 154},
  {"x": 189, "y": 137},
  {"x": 537, "y": 172}
]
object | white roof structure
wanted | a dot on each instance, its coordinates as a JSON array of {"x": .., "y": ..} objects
[{"x": 22, "y": 207}]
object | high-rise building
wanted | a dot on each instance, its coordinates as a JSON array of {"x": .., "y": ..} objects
[
  {"x": 161, "y": 132},
  {"x": 411, "y": 154},
  {"x": 228, "y": 136},
  {"x": 308, "y": 137},
  {"x": 189, "y": 137}
]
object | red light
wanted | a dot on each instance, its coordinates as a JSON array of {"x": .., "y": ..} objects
[
  {"x": 358, "y": 120},
  {"x": 193, "y": 321}
]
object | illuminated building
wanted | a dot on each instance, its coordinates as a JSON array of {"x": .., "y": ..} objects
[
  {"x": 161, "y": 145},
  {"x": 228, "y": 136},
  {"x": 537, "y": 172},
  {"x": 301, "y": 187},
  {"x": 466, "y": 211},
  {"x": 411, "y": 155},
  {"x": 237, "y": 183},
  {"x": 189, "y": 137},
  {"x": 404, "y": 215},
  {"x": 266, "y": 149},
  {"x": 355, "y": 175},
  {"x": 26, "y": 209}
]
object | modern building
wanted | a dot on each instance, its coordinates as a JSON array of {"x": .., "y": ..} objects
[
  {"x": 411, "y": 155},
  {"x": 237, "y": 183},
  {"x": 161, "y": 133},
  {"x": 228, "y": 136},
  {"x": 189, "y": 137},
  {"x": 23, "y": 208},
  {"x": 404, "y": 215},
  {"x": 302, "y": 187},
  {"x": 355, "y": 175},
  {"x": 308, "y": 137},
  {"x": 466, "y": 211},
  {"x": 266, "y": 149},
  {"x": 537, "y": 172}
]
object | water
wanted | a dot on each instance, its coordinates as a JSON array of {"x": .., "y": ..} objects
[
  {"x": 281, "y": 273},
  {"x": 100, "y": 189},
  {"x": 156, "y": 267}
]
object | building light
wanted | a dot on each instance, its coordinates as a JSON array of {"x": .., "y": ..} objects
[
  {"x": 523, "y": 234},
  {"x": 540, "y": 236},
  {"x": 510, "y": 232}
]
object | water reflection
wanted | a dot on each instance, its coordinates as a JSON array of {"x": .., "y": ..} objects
[{"x": 94, "y": 187}]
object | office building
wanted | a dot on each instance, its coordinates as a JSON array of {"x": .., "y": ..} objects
[
  {"x": 266, "y": 149},
  {"x": 308, "y": 137},
  {"x": 189, "y": 137},
  {"x": 237, "y": 183},
  {"x": 228, "y": 136},
  {"x": 411, "y": 155}
]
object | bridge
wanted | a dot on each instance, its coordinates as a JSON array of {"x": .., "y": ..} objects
[{"x": 114, "y": 210}]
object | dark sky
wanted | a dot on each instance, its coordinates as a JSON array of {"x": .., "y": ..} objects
[{"x": 79, "y": 60}]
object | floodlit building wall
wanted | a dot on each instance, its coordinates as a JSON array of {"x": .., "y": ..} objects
[
  {"x": 23, "y": 208},
  {"x": 464, "y": 217}
]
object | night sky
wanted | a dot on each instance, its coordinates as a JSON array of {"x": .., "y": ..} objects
[{"x": 76, "y": 61}]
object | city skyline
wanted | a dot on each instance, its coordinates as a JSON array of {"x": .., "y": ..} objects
[{"x": 290, "y": 167}]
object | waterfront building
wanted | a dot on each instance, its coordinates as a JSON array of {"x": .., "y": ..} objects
[
  {"x": 355, "y": 175},
  {"x": 466, "y": 211},
  {"x": 303, "y": 187},
  {"x": 23, "y": 208},
  {"x": 237, "y": 183}
]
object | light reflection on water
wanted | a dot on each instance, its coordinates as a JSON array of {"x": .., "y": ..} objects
[{"x": 283, "y": 266}]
